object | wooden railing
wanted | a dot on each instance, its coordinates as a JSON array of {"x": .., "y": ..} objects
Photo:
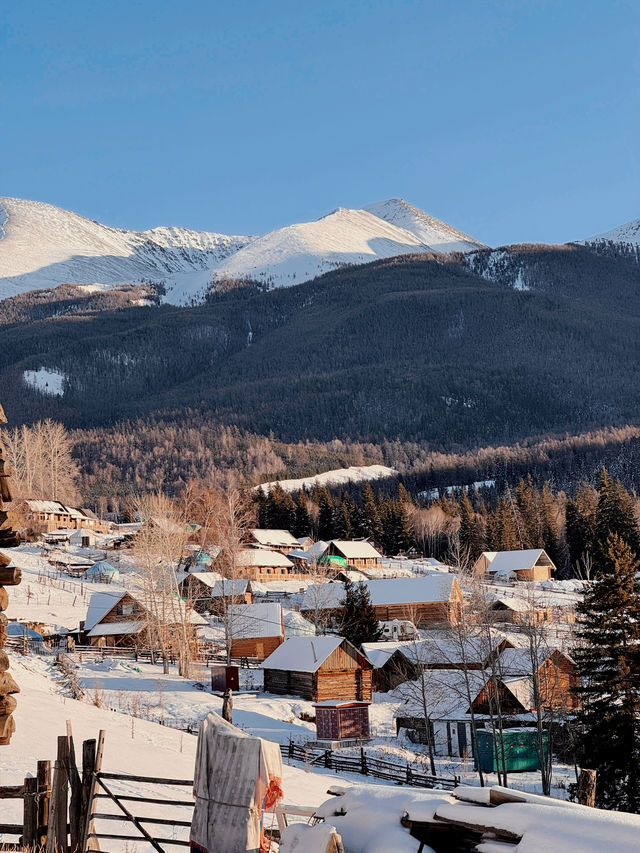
[{"x": 366, "y": 765}]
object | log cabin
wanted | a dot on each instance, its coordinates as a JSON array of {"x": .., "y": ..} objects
[
  {"x": 529, "y": 565},
  {"x": 276, "y": 540},
  {"x": 207, "y": 592},
  {"x": 46, "y": 516},
  {"x": 359, "y": 554},
  {"x": 428, "y": 601},
  {"x": 120, "y": 619},
  {"x": 516, "y": 611},
  {"x": 262, "y": 564},
  {"x": 318, "y": 669},
  {"x": 256, "y": 629}
]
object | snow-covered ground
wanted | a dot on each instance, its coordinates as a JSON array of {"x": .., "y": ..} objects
[
  {"x": 49, "y": 382},
  {"x": 335, "y": 477}
]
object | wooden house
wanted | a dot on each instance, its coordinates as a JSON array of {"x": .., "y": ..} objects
[
  {"x": 256, "y": 629},
  {"x": 358, "y": 554},
  {"x": 427, "y": 601},
  {"x": 318, "y": 668},
  {"x": 516, "y": 611},
  {"x": 529, "y": 565},
  {"x": 261, "y": 564},
  {"x": 207, "y": 592},
  {"x": 121, "y": 619},
  {"x": 276, "y": 540},
  {"x": 391, "y": 666},
  {"x": 42, "y": 516}
]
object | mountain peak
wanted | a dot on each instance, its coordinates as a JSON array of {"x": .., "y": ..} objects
[
  {"x": 627, "y": 233},
  {"x": 436, "y": 234}
]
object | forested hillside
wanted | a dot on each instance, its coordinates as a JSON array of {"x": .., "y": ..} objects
[{"x": 416, "y": 348}]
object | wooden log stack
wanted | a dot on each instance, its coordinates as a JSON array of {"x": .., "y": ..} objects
[{"x": 9, "y": 576}]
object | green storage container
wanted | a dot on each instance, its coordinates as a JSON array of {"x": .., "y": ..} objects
[{"x": 520, "y": 749}]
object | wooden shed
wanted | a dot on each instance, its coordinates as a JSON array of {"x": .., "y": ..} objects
[
  {"x": 338, "y": 721},
  {"x": 256, "y": 629},
  {"x": 276, "y": 540},
  {"x": 391, "y": 666},
  {"x": 533, "y": 564},
  {"x": 318, "y": 668}
]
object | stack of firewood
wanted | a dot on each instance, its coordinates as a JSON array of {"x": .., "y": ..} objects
[{"x": 9, "y": 576}]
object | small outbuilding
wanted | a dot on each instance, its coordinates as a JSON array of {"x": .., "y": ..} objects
[
  {"x": 318, "y": 668},
  {"x": 341, "y": 721},
  {"x": 358, "y": 554},
  {"x": 102, "y": 572}
]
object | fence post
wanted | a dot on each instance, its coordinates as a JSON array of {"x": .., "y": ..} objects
[
  {"x": 327, "y": 758},
  {"x": 290, "y": 748},
  {"x": 57, "y": 831},
  {"x": 409, "y": 774},
  {"x": 88, "y": 769},
  {"x": 30, "y": 814},
  {"x": 44, "y": 799},
  {"x": 363, "y": 763}
]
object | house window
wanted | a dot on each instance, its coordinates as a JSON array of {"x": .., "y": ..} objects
[{"x": 127, "y": 609}]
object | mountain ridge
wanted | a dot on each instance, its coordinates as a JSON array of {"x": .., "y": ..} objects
[{"x": 42, "y": 246}]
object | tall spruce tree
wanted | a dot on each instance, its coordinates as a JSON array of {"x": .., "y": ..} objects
[
  {"x": 608, "y": 659},
  {"x": 359, "y": 621},
  {"x": 615, "y": 514}
]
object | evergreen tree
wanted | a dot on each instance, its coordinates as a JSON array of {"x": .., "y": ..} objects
[
  {"x": 471, "y": 528},
  {"x": 580, "y": 524},
  {"x": 370, "y": 517},
  {"x": 302, "y": 523},
  {"x": 359, "y": 621},
  {"x": 615, "y": 514},
  {"x": 325, "y": 516},
  {"x": 609, "y": 664}
]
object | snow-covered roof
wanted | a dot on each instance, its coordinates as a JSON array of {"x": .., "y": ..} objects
[
  {"x": 274, "y": 538},
  {"x": 310, "y": 554},
  {"x": 514, "y": 561},
  {"x": 99, "y": 605},
  {"x": 103, "y": 567},
  {"x": 249, "y": 621},
  {"x": 379, "y": 654},
  {"x": 518, "y": 605},
  {"x": 110, "y": 629},
  {"x": 220, "y": 586},
  {"x": 295, "y": 625},
  {"x": 445, "y": 694},
  {"x": 302, "y": 654},
  {"x": 261, "y": 557},
  {"x": 355, "y": 550},
  {"x": 522, "y": 688},
  {"x": 434, "y": 587}
]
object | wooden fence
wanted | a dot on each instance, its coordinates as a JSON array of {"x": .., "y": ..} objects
[{"x": 367, "y": 765}]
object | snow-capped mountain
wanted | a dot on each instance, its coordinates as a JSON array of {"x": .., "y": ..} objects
[
  {"x": 42, "y": 246},
  {"x": 434, "y": 233},
  {"x": 628, "y": 233},
  {"x": 301, "y": 252}
]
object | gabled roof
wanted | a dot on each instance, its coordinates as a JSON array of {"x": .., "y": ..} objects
[
  {"x": 261, "y": 557},
  {"x": 99, "y": 605},
  {"x": 356, "y": 550},
  {"x": 116, "y": 629},
  {"x": 434, "y": 587},
  {"x": 514, "y": 561},
  {"x": 249, "y": 621},
  {"x": 445, "y": 695},
  {"x": 314, "y": 552},
  {"x": 302, "y": 654},
  {"x": 274, "y": 538}
]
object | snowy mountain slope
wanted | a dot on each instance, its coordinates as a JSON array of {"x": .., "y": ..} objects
[
  {"x": 300, "y": 252},
  {"x": 436, "y": 234},
  {"x": 628, "y": 233},
  {"x": 42, "y": 246}
]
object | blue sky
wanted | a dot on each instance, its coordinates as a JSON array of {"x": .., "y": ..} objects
[{"x": 514, "y": 121}]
